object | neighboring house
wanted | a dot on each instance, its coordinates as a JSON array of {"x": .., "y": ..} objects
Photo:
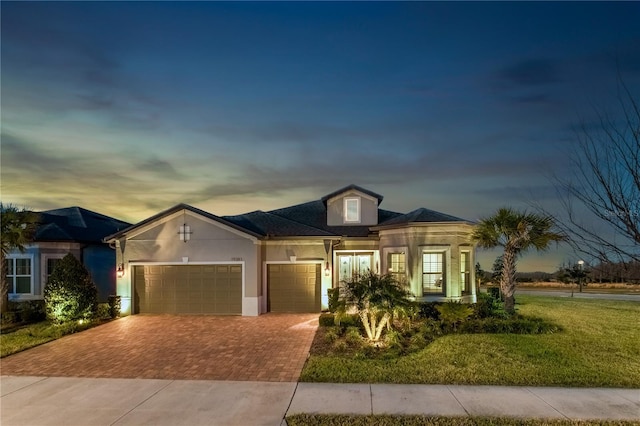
[
  {"x": 62, "y": 231},
  {"x": 185, "y": 260}
]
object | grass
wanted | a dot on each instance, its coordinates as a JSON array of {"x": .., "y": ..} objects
[
  {"x": 598, "y": 347},
  {"x": 25, "y": 337},
  {"x": 388, "y": 420}
]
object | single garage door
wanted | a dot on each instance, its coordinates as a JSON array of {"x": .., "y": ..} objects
[
  {"x": 294, "y": 288},
  {"x": 188, "y": 289}
]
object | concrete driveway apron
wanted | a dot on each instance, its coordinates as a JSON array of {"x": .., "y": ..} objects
[{"x": 271, "y": 347}]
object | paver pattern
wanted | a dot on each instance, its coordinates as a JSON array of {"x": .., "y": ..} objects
[{"x": 270, "y": 347}]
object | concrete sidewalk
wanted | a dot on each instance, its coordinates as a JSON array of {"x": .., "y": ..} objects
[{"x": 84, "y": 401}]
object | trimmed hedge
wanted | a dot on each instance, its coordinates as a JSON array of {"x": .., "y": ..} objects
[{"x": 70, "y": 293}]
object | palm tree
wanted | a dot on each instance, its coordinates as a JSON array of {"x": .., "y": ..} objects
[
  {"x": 516, "y": 232},
  {"x": 377, "y": 300},
  {"x": 17, "y": 227}
]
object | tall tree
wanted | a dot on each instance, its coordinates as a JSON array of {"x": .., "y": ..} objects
[
  {"x": 17, "y": 228},
  {"x": 516, "y": 232},
  {"x": 606, "y": 183}
]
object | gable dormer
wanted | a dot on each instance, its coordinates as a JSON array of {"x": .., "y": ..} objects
[{"x": 352, "y": 206}]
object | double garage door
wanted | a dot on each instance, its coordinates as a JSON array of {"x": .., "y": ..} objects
[{"x": 188, "y": 289}]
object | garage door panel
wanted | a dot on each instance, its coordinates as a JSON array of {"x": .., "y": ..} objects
[{"x": 188, "y": 289}]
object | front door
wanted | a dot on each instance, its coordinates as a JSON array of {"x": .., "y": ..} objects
[{"x": 352, "y": 264}]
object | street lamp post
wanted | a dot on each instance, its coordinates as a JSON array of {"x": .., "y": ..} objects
[{"x": 581, "y": 268}]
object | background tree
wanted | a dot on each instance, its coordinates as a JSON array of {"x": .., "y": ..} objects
[
  {"x": 605, "y": 182},
  {"x": 479, "y": 277},
  {"x": 497, "y": 269},
  {"x": 17, "y": 228},
  {"x": 516, "y": 232}
]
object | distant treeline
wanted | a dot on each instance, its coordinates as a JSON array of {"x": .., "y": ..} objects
[{"x": 605, "y": 272}]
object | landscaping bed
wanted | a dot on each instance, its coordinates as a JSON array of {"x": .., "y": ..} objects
[{"x": 594, "y": 344}]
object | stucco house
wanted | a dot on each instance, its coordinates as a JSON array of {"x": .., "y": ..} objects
[
  {"x": 61, "y": 231},
  {"x": 186, "y": 260}
]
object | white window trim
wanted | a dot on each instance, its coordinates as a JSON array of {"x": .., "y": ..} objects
[
  {"x": 446, "y": 269},
  {"x": 12, "y": 285},
  {"x": 470, "y": 265},
  {"x": 43, "y": 266},
  {"x": 359, "y": 212}
]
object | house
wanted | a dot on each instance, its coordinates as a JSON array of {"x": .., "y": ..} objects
[
  {"x": 68, "y": 230},
  {"x": 186, "y": 260}
]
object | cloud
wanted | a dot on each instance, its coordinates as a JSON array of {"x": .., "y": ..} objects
[
  {"x": 43, "y": 178},
  {"x": 527, "y": 73}
]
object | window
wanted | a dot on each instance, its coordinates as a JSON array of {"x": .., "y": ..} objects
[
  {"x": 19, "y": 275},
  {"x": 397, "y": 266},
  {"x": 50, "y": 262},
  {"x": 465, "y": 272},
  {"x": 433, "y": 272},
  {"x": 352, "y": 209}
]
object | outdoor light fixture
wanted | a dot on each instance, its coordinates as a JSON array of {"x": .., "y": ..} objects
[
  {"x": 327, "y": 270},
  {"x": 185, "y": 232},
  {"x": 120, "y": 270}
]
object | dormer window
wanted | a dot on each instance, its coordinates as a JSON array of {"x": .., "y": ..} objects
[{"x": 352, "y": 210}]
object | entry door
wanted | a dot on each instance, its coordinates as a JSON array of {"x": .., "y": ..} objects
[{"x": 353, "y": 264}]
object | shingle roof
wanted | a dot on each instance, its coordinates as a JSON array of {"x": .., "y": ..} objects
[
  {"x": 76, "y": 224},
  {"x": 305, "y": 220},
  {"x": 176, "y": 208},
  {"x": 314, "y": 214},
  {"x": 421, "y": 215},
  {"x": 268, "y": 224}
]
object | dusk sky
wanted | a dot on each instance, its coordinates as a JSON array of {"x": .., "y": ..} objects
[{"x": 128, "y": 108}]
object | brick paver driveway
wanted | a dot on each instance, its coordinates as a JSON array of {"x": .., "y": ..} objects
[{"x": 271, "y": 347}]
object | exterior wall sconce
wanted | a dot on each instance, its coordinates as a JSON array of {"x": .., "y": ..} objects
[
  {"x": 120, "y": 270},
  {"x": 185, "y": 232},
  {"x": 327, "y": 269}
]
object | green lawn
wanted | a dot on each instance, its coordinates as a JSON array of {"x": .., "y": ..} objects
[
  {"x": 36, "y": 334},
  {"x": 598, "y": 347},
  {"x": 388, "y": 420}
]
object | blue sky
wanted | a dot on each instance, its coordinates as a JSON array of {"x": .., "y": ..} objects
[{"x": 128, "y": 108}]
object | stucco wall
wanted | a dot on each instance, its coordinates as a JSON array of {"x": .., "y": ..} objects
[
  {"x": 413, "y": 240},
  {"x": 210, "y": 241},
  {"x": 368, "y": 209}
]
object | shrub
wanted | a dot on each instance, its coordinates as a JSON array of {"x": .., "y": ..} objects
[
  {"x": 454, "y": 313},
  {"x": 115, "y": 304},
  {"x": 348, "y": 320},
  {"x": 103, "y": 311},
  {"x": 340, "y": 345},
  {"x": 393, "y": 339},
  {"x": 428, "y": 310},
  {"x": 489, "y": 306},
  {"x": 326, "y": 320},
  {"x": 331, "y": 334},
  {"x": 70, "y": 294},
  {"x": 495, "y": 292},
  {"x": 334, "y": 299},
  {"x": 513, "y": 325},
  {"x": 353, "y": 336},
  {"x": 431, "y": 328}
]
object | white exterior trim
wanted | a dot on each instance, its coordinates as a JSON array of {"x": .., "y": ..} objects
[{"x": 19, "y": 296}]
